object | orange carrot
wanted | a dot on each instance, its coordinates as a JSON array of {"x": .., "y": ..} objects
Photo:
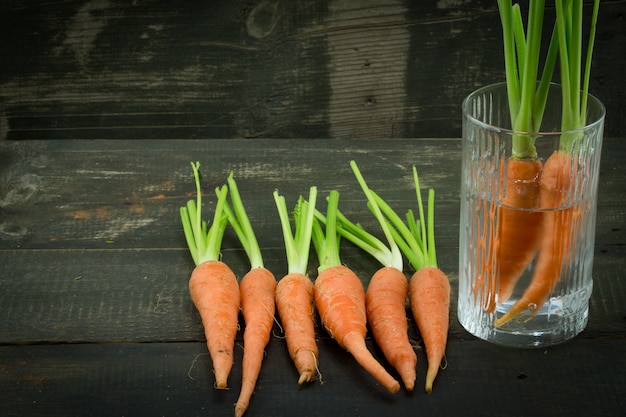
[
  {"x": 213, "y": 286},
  {"x": 294, "y": 293},
  {"x": 556, "y": 239},
  {"x": 385, "y": 301},
  {"x": 340, "y": 298},
  {"x": 519, "y": 230},
  {"x": 215, "y": 293},
  {"x": 386, "y": 295},
  {"x": 429, "y": 292},
  {"x": 429, "y": 288},
  {"x": 258, "y": 291},
  {"x": 294, "y": 301},
  {"x": 340, "y": 301},
  {"x": 258, "y": 288}
]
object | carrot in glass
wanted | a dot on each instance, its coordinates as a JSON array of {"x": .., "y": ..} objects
[
  {"x": 561, "y": 170},
  {"x": 518, "y": 230}
]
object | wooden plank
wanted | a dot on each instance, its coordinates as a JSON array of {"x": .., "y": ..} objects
[
  {"x": 175, "y": 379},
  {"x": 101, "y": 69},
  {"x": 128, "y": 193},
  {"x": 141, "y": 295}
]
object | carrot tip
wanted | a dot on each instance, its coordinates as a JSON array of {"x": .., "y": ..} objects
[{"x": 240, "y": 409}]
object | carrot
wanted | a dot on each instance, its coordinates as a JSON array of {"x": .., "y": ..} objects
[
  {"x": 518, "y": 231},
  {"x": 294, "y": 293},
  {"x": 561, "y": 171},
  {"x": 213, "y": 286},
  {"x": 340, "y": 298},
  {"x": 387, "y": 291},
  {"x": 429, "y": 288},
  {"x": 557, "y": 238},
  {"x": 519, "y": 224},
  {"x": 258, "y": 289}
]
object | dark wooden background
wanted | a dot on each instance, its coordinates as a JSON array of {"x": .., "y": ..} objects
[{"x": 261, "y": 68}]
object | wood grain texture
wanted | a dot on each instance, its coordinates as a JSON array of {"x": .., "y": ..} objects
[
  {"x": 106, "y": 69},
  {"x": 96, "y": 319},
  {"x": 174, "y": 379}
]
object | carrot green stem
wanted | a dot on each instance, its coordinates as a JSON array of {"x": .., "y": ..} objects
[
  {"x": 569, "y": 16},
  {"x": 327, "y": 242},
  {"x": 388, "y": 256},
  {"x": 298, "y": 244},
  {"x": 240, "y": 223},
  {"x": 204, "y": 245},
  {"x": 521, "y": 58},
  {"x": 590, "y": 45},
  {"x": 416, "y": 238}
]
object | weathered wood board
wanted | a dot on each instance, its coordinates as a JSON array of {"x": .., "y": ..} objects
[{"x": 262, "y": 68}]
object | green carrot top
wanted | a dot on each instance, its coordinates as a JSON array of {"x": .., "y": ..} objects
[
  {"x": 238, "y": 219},
  {"x": 416, "y": 238},
  {"x": 386, "y": 255},
  {"x": 204, "y": 244},
  {"x": 527, "y": 100},
  {"x": 327, "y": 242},
  {"x": 298, "y": 244}
]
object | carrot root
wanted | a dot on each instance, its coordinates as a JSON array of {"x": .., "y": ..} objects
[
  {"x": 340, "y": 301},
  {"x": 215, "y": 293},
  {"x": 385, "y": 301},
  {"x": 294, "y": 302},
  {"x": 519, "y": 230},
  {"x": 258, "y": 289},
  {"x": 429, "y": 294},
  {"x": 557, "y": 236}
]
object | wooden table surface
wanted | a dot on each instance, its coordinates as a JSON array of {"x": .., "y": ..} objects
[{"x": 96, "y": 318}]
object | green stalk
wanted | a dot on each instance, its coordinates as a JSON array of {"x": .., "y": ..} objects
[
  {"x": 416, "y": 238},
  {"x": 389, "y": 256},
  {"x": 298, "y": 243},
  {"x": 204, "y": 245},
  {"x": 393, "y": 256},
  {"x": 590, "y": 45},
  {"x": 240, "y": 223},
  {"x": 569, "y": 14},
  {"x": 521, "y": 58},
  {"x": 327, "y": 243}
]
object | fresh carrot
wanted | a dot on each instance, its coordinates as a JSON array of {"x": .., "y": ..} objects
[
  {"x": 518, "y": 231},
  {"x": 519, "y": 224},
  {"x": 258, "y": 290},
  {"x": 557, "y": 238},
  {"x": 213, "y": 286},
  {"x": 387, "y": 291},
  {"x": 561, "y": 171},
  {"x": 429, "y": 288},
  {"x": 294, "y": 293},
  {"x": 340, "y": 298}
]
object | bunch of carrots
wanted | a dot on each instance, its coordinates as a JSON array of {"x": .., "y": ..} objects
[
  {"x": 336, "y": 294},
  {"x": 529, "y": 228}
]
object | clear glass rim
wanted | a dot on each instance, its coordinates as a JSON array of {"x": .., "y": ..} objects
[{"x": 591, "y": 99}]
